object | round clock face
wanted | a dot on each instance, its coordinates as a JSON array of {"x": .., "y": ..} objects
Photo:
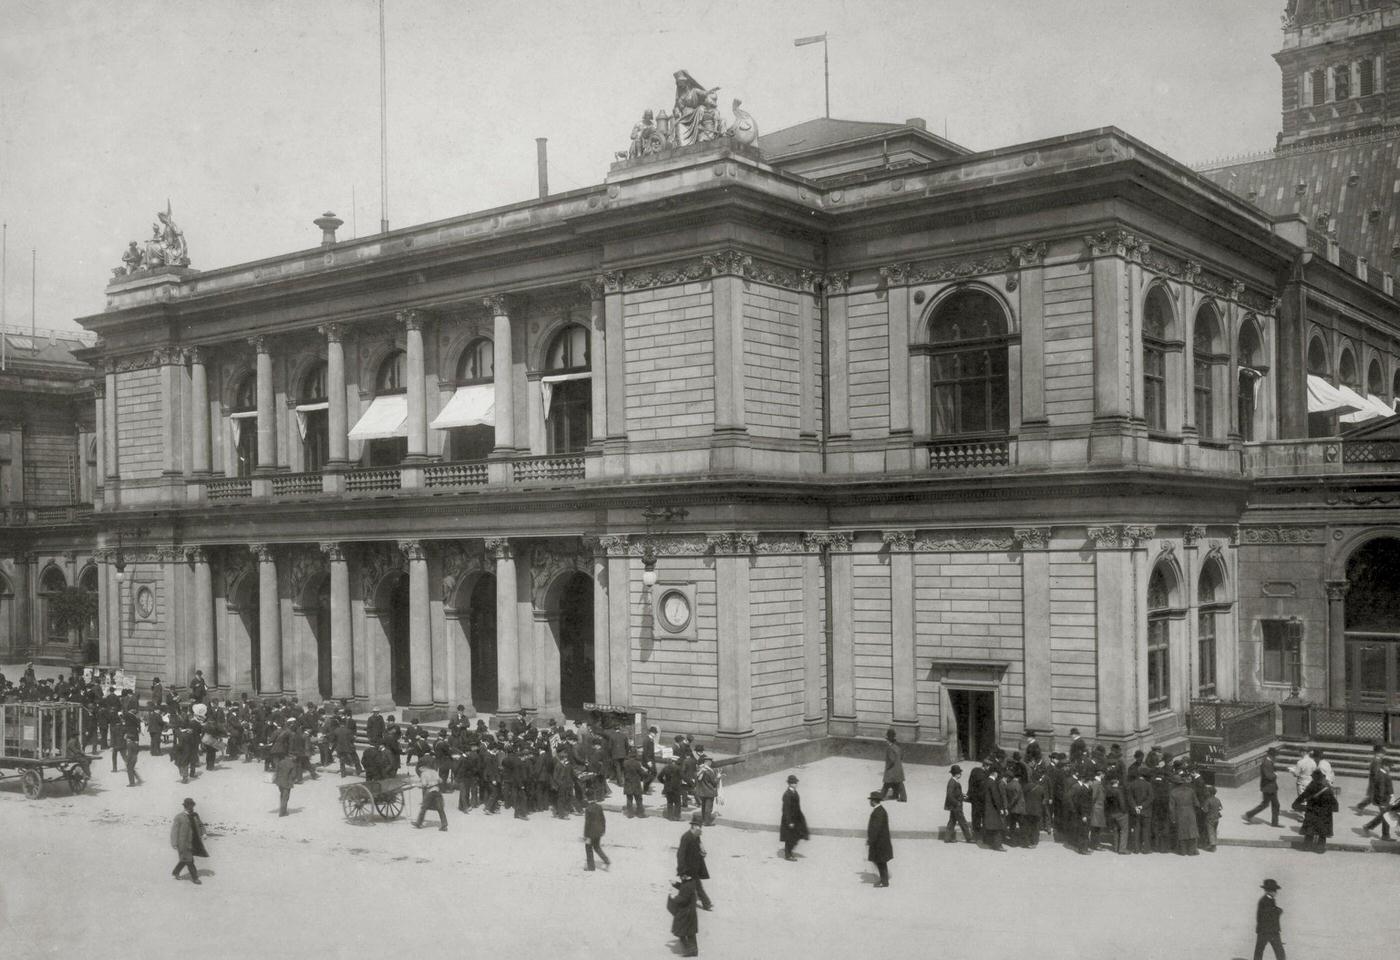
[
  {"x": 145, "y": 601},
  {"x": 675, "y": 611}
]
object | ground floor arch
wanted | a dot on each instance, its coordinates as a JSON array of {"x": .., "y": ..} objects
[
  {"x": 572, "y": 619},
  {"x": 1371, "y": 598},
  {"x": 479, "y": 621}
]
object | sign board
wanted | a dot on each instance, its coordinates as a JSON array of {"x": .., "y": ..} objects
[{"x": 638, "y": 715}]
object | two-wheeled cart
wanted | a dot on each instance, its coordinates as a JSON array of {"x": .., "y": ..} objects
[
  {"x": 383, "y": 796},
  {"x": 33, "y": 744}
]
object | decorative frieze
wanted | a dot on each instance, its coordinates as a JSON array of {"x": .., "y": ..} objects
[
  {"x": 1137, "y": 534},
  {"x": 959, "y": 269},
  {"x": 1032, "y": 538},
  {"x": 1281, "y": 534},
  {"x": 837, "y": 540},
  {"x": 670, "y": 276},
  {"x": 972, "y": 541},
  {"x": 1106, "y": 538},
  {"x": 729, "y": 543},
  {"x": 197, "y": 555},
  {"x": 1113, "y": 243},
  {"x": 1192, "y": 534},
  {"x": 898, "y": 539},
  {"x": 727, "y": 263}
]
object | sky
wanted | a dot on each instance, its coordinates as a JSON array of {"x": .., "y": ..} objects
[{"x": 252, "y": 117}]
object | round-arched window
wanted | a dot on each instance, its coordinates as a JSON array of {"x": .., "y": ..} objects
[
  {"x": 568, "y": 351},
  {"x": 1161, "y": 599},
  {"x": 1346, "y": 370},
  {"x": 1317, "y": 358},
  {"x": 1211, "y": 604},
  {"x": 1158, "y": 330},
  {"x": 969, "y": 339},
  {"x": 392, "y": 376},
  {"x": 245, "y": 425},
  {"x": 313, "y": 384},
  {"x": 568, "y": 391},
  {"x": 1209, "y": 358},
  {"x": 1251, "y": 376},
  {"x": 1375, "y": 379},
  {"x": 477, "y": 364}
]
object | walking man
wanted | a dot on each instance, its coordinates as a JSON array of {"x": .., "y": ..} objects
[
  {"x": 131, "y": 750},
  {"x": 690, "y": 860},
  {"x": 284, "y": 776},
  {"x": 431, "y": 783},
  {"x": 685, "y": 923},
  {"x": 1382, "y": 789},
  {"x": 879, "y": 850},
  {"x": 953, "y": 802},
  {"x": 1268, "y": 789},
  {"x": 187, "y": 837},
  {"x": 594, "y": 826},
  {"x": 1266, "y": 923},
  {"x": 794, "y": 827},
  {"x": 894, "y": 769}
]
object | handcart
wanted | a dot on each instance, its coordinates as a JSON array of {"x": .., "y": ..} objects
[
  {"x": 33, "y": 744},
  {"x": 384, "y": 796}
]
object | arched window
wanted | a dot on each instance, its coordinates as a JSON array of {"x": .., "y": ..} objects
[
  {"x": 1211, "y": 605},
  {"x": 245, "y": 425},
  {"x": 90, "y": 467},
  {"x": 312, "y": 418},
  {"x": 1158, "y": 329},
  {"x": 1161, "y": 605},
  {"x": 1372, "y": 625},
  {"x": 476, "y": 367},
  {"x": 1320, "y": 424},
  {"x": 1341, "y": 81},
  {"x": 391, "y": 378},
  {"x": 1251, "y": 380},
  {"x": 968, "y": 334},
  {"x": 567, "y": 389},
  {"x": 1347, "y": 372},
  {"x": 87, "y": 633},
  {"x": 1375, "y": 379},
  {"x": 1209, "y": 358},
  {"x": 1395, "y": 387},
  {"x": 51, "y": 585}
]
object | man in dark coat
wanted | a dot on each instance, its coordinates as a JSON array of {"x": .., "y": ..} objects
[
  {"x": 632, "y": 774},
  {"x": 343, "y": 741},
  {"x": 953, "y": 802},
  {"x": 1318, "y": 803},
  {"x": 879, "y": 849},
  {"x": 285, "y": 776},
  {"x": 1382, "y": 790},
  {"x": 1373, "y": 778},
  {"x": 794, "y": 825},
  {"x": 685, "y": 922},
  {"x": 690, "y": 860},
  {"x": 198, "y": 688},
  {"x": 374, "y": 727},
  {"x": 1266, "y": 923},
  {"x": 1033, "y": 799},
  {"x": 1139, "y": 793},
  {"x": 994, "y": 810},
  {"x": 976, "y": 788},
  {"x": 594, "y": 826},
  {"x": 187, "y": 837},
  {"x": 1268, "y": 789},
  {"x": 894, "y": 769},
  {"x": 1078, "y": 749}
]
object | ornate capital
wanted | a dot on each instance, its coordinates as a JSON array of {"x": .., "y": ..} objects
[
  {"x": 1190, "y": 270},
  {"x": 1192, "y": 534},
  {"x": 412, "y": 319},
  {"x": 197, "y": 555},
  {"x": 1032, "y": 538},
  {"x": 99, "y": 388},
  {"x": 896, "y": 274},
  {"x": 1336, "y": 589},
  {"x": 1116, "y": 243},
  {"x": 819, "y": 540},
  {"x": 333, "y": 551},
  {"x": 808, "y": 280},
  {"x": 263, "y": 552},
  {"x": 1028, "y": 254},
  {"x": 1105, "y": 537},
  {"x": 259, "y": 343},
  {"x": 166, "y": 356},
  {"x": 727, "y": 262},
  {"x": 1237, "y": 289},
  {"x": 732, "y": 542},
  {"x": 602, "y": 284},
  {"x": 333, "y": 332},
  {"x": 613, "y": 546},
  {"x": 496, "y": 305},
  {"x": 199, "y": 355},
  {"x": 498, "y": 548},
  {"x": 413, "y": 549},
  {"x": 898, "y": 539},
  {"x": 1138, "y": 534},
  {"x": 838, "y": 282}
]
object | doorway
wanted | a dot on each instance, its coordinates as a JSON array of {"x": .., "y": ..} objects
[
  {"x": 481, "y": 638},
  {"x": 319, "y": 619},
  {"x": 974, "y": 716},
  {"x": 395, "y": 621},
  {"x": 576, "y": 645},
  {"x": 246, "y": 603}
]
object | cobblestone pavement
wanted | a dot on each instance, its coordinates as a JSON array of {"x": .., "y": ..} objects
[{"x": 90, "y": 875}]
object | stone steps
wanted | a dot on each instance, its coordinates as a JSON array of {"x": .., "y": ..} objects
[{"x": 1347, "y": 759}]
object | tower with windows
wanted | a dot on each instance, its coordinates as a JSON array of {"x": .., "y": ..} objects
[{"x": 1335, "y": 69}]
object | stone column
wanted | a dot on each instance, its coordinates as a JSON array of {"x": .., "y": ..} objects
[
  {"x": 267, "y": 413},
  {"x": 807, "y": 320},
  {"x": 420, "y": 640},
  {"x": 899, "y": 454},
  {"x": 342, "y": 659},
  {"x": 337, "y": 419},
  {"x": 1032, "y": 442},
  {"x": 203, "y": 615},
  {"x": 731, "y": 418},
  {"x": 104, "y": 586},
  {"x": 735, "y": 669},
  {"x": 904, "y": 680},
  {"x": 1336, "y": 644},
  {"x": 842, "y": 654},
  {"x": 1035, "y": 613},
  {"x": 838, "y": 391},
  {"x": 813, "y": 637},
  {"x": 99, "y": 389},
  {"x": 199, "y": 411},
  {"x": 598, "y": 352},
  {"x": 111, "y": 454},
  {"x": 507, "y": 622},
  {"x": 1108, "y": 440},
  {"x": 269, "y": 617},
  {"x": 1121, "y": 659},
  {"x": 504, "y": 383},
  {"x": 413, "y": 321}
]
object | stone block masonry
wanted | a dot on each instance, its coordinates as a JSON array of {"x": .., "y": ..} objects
[
  {"x": 1069, "y": 344},
  {"x": 772, "y": 371},
  {"x": 677, "y": 681},
  {"x": 670, "y": 362},
  {"x": 140, "y": 424},
  {"x": 1073, "y": 681},
  {"x": 868, "y": 364},
  {"x": 776, "y": 634}
]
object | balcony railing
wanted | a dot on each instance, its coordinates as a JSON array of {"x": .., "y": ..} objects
[
  {"x": 373, "y": 480},
  {"x": 288, "y": 484},
  {"x": 221, "y": 489},
  {"x": 1223, "y": 730},
  {"x": 548, "y": 468},
  {"x": 456, "y": 474},
  {"x": 1304, "y": 721},
  {"x": 20, "y": 515},
  {"x": 975, "y": 453}
]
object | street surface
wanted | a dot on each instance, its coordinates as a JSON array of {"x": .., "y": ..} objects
[{"x": 89, "y": 875}]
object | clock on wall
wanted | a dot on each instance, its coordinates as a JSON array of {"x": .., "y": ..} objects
[
  {"x": 145, "y": 603},
  {"x": 673, "y": 610}
]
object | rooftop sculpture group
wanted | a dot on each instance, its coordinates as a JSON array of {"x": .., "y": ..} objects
[
  {"x": 694, "y": 119},
  {"x": 166, "y": 248}
]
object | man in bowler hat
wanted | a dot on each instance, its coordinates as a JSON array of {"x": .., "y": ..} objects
[
  {"x": 877, "y": 838},
  {"x": 187, "y": 837},
  {"x": 1266, "y": 923},
  {"x": 953, "y": 803},
  {"x": 1268, "y": 788},
  {"x": 794, "y": 826},
  {"x": 690, "y": 860}
]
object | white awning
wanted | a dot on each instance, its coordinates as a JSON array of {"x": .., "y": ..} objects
[
  {"x": 386, "y": 417},
  {"x": 1325, "y": 398},
  {"x": 1381, "y": 407},
  {"x": 238, "y": 419},
  {"x": 547, "y": 385},
  {"x": 473, "y": 406},
  {"x": 1361, "y": 407},
  {"x": 302, "y": 409}
]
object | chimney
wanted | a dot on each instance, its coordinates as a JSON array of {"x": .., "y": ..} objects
[
  {"x": 542, "y": 163},
  {"x": 329, "y": 223},
  {"x": 918, "y": 123}
]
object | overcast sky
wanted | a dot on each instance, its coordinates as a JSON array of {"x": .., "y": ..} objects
[{"x": 255, "y": 116}]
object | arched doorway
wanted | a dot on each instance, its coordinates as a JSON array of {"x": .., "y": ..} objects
[
  {"x": 575, "y": 644},
  {"x": 243, "y": 601},
  {"x": 1373, "y": 625},
  {"x": 394, "y": 617},
  {"x": 318, "y": 619},
  {"x": 481, "y": 638}
]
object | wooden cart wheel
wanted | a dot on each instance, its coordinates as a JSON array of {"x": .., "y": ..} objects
[
  {"x": 390, "y": 805},
  {"x": 77, "y": 780},
  {"x": 356, "y": 803},
  {"x": 33, "y": 784}
]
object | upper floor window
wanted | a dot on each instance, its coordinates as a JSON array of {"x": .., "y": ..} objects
[
  {"x": 245, "y": 425},
  {"x": 1251, "y": 378},
  {"x": 1211, "y": 605},
  {"x": 969, "y": 339},
  {"x": 1319, "y": 87},
  {"x": 51, "y": 585},
  {"x": 1366, "y": 77},
  {"x": 568, "y": 351},
  {"x": 312, "y": 418},
  {"x": 1210, "y": 359},
  {"x": 477, "y": 364},
  {"x": 1346, "y": 370},
  {"x": 393, "y": 374},
  {"x": 567, "y": 390},
  {"x": 1158, "y": 329},
  {"x": 1375, "y": 379},
  {"x": 1341, "y": 80}
]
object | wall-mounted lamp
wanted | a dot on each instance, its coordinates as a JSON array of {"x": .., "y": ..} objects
[
  {"x": 654, "y": 515},
  {"x": 119, "y": 561}
]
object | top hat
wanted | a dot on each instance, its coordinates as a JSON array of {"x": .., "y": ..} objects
[{"x": 1270, "y": 885}]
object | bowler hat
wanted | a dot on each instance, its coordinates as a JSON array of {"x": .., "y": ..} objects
[
  {"x": 792, "y": 778},
  {"x": 956, "y": 771},
  {"x": 1271, "y": 885},
  {"x": 697, "y": 820},
  {"x": 876, "y": 795},
  {"x": 189, "y": 802}
]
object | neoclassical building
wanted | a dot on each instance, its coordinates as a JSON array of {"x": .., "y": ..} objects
[{"x": 844, "y": 429}]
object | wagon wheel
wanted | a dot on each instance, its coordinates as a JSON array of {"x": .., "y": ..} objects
[
  {"x": 77, "y": 779},
  {"x": 33, "y": 784},
  {"x": 390, "y": 805},
  {"x": 356, "y": 801}
]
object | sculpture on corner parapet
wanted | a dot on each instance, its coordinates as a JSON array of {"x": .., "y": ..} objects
[
  {"x": 166, "y": 248},
  {"x": 694, "y": 118}
]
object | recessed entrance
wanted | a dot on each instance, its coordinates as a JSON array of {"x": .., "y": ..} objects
[
  {"x": 395, "y": 620},
  {"x": 245, "y": 602},
  {"x": 974, "y": 715},
  {"x": 319, "y": 619},
  {"x": 481, "y": 638},
  {"x": 1373, "y": 626},
  {"x": 575, "y": 644}
]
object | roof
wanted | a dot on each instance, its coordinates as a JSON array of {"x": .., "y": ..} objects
[
  {"x": 822, "y": 132},
  {"x": 21, "y": 345},
  {"x": 1346, "y": 189}
]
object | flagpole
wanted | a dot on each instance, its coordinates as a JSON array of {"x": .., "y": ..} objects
[
  {"x": 826, "y": 64},
  {"x": 4, "y": 289},
  {"x": 33, "y": 272},
  {"x": 383, "y": 133}
]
